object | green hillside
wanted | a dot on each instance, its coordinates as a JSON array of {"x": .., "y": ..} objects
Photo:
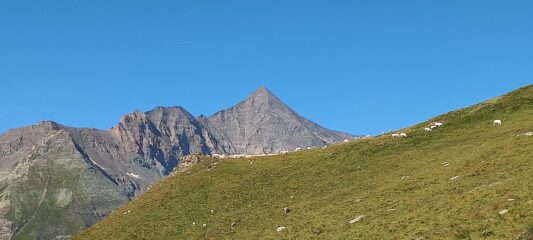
[{"x": 450, "y": 183}]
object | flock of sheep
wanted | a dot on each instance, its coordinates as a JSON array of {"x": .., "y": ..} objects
[
  {"x": 430, "y": 128},
  {"x": 286, "y": 210}
]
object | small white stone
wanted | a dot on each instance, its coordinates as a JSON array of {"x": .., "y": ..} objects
[
  {"x": 510, "y": 199},
  {"x": 504, "y": 211},
  {"x": 281, "y": 228},
  {"x": 454, "y": 178},
  {"x": 357, "y": 219}
]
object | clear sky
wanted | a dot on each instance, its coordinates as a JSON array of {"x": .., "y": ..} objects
[{"x": 356, "y": 66}]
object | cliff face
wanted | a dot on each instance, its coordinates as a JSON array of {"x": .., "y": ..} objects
[
  {"x": 162, "y": 135},
  {"x": 53, "y": 175}
]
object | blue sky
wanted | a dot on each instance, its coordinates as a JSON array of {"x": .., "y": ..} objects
[{"x": 356, "y": 66}]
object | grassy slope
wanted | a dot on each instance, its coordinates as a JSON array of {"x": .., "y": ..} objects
[{"x": 334, "y": 185}]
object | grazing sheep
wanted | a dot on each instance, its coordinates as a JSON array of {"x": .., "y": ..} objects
[
  {"x": 438, "y": 124},
  {"x": 497, "y": 122},
  {"x": 432, "y": 127},
  {"x": 233, "y": 225},
  {"x": 297, "y": 149},
  {"x": 286, "y": 210},
  {"x": 427, "y": 129},
  {"x": 395, "y": 135},
  {"x": 204, "y": 225},
  {"x": 403, "y": 134},
  {"x": 281, "y": 228},
  {"x": 345, "y": 140}
]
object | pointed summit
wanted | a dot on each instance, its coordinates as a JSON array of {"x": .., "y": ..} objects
[
  {"x": 262, "y": 90},
  {"x": 262, "y": 123},
  {"x": 263, "y": 100},
  {"x": 261, "y": 93}
]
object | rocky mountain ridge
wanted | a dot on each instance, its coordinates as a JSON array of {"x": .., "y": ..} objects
[{"x": 54, "y": 175}]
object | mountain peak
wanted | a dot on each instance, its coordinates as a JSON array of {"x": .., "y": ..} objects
[
  {"x": 49, "y": 124},
  {"x": 261, "y": 92},
  {"x": 263, "y": 123},
  {"x": 175, "y": 109},
  {"x": 264, "y": 97}
]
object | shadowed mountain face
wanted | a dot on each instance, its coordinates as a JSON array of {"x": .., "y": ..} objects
[{"x": 69, "y": 178}]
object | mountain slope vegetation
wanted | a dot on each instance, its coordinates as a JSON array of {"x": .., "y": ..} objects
[{"x": 466, "y": 179}]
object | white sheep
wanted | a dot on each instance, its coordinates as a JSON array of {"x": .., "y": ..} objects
[
  {"x": 403, "y": 134},
  {"x": 427, "y": 129},
  {"x": 286, "y": 210},
  {"x": 497, "y": 122},
  {"x": 395, "y": 135}
]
